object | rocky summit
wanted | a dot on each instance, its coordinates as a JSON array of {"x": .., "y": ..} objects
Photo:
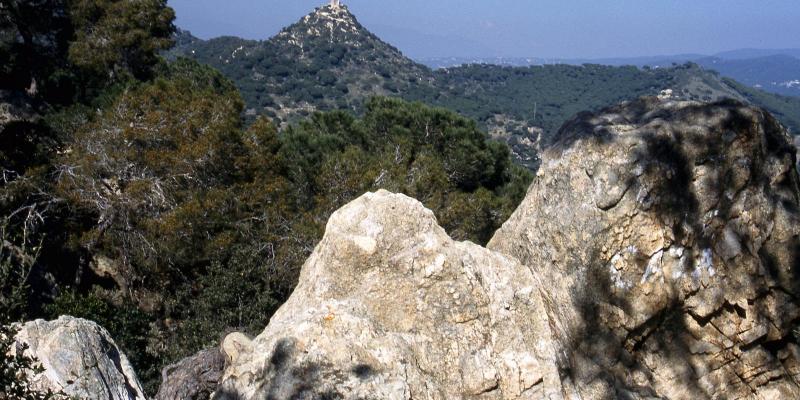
[
  {"x": 325, "y": 61},
  {"x": 653, "y": 257},
  {"x": 315, "y": 215},
  {"x": 389, "y": 307}
]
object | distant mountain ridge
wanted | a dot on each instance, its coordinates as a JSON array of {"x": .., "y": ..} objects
[
  {"x": 756, "y": 53},
  {"x": 658, "y": 60},
  {"x": 775, "y": 71},
  {"x": 329, "y": 61}
]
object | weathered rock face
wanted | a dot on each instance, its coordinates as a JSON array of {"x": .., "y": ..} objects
[
  {"x": 671, "y": 230},
  {"x": 193, "y": 378},
  {"x": 657, "y": 251},
  {"x": 389, "y": 307},
  {"x": 80, "y": 360}
]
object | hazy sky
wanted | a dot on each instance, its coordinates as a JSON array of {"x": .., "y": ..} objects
[{"x": 526, "y": 28}]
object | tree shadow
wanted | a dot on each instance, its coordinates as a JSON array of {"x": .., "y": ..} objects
[
  {"x": 286, "y": 376},
  {"x": 671, "y": 150}
]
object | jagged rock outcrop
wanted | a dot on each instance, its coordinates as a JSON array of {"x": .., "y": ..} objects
[
  {"x": 653, "y": 257},
  {"x": 670, "y": 230},
  {"x": 193, "y": 378},
  {"x": 389, "y": 307},
  {"x": 80, "y": 360}
]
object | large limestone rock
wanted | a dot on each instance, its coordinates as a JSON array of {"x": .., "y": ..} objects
[
  {"x": 654, "y": 257},
  {"x": 80, "y": 360},
  {"x": 671, "y": 232},
  {"x": 389, "y": 307}
]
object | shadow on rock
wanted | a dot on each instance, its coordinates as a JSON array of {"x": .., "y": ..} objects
[{"x": 674, "y": 228}]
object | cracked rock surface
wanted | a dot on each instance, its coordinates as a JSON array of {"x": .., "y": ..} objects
[
  {"x": 80, "y": 359},
  {"x": 653, "y": 257},
  {"x": 672, "y": 228},
  {"x": 389, "y": 307}
]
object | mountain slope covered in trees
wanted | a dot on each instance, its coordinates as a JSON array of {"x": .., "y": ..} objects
[
  {"x": 775, "y": 71},
  {"x": 328, "y": 60},
  {"x": 325, "y": 61}
]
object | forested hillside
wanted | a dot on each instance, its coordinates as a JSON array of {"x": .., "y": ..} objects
[
  {"x": 325, "y": 61},
  {"x": 329, "y": 61},
  {"x": 133, "y": 193}
]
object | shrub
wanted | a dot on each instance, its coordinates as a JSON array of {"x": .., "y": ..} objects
[{"x": 16, "y": 368}]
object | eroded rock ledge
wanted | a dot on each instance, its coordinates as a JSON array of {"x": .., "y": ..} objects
[{"x": 654, "y": 257}]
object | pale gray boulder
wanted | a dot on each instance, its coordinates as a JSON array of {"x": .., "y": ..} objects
[
  {"x": 389, "y": 307},
  {"x": 79, "y": 359}
]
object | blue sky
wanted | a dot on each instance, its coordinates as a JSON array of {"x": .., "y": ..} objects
[{"x": 526, "y": 28}]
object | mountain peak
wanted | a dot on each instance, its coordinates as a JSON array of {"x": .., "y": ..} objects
[
  {"x": 336, "y": 13},
  {"x": 331, "y": 21}
]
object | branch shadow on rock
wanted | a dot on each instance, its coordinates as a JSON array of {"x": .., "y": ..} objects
[
  {"x": 287, "y": 376},
  {"x": 677, "y": 204}
]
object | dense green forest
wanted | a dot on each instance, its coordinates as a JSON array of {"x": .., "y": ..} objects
[{"x": 135, "y": 195}]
